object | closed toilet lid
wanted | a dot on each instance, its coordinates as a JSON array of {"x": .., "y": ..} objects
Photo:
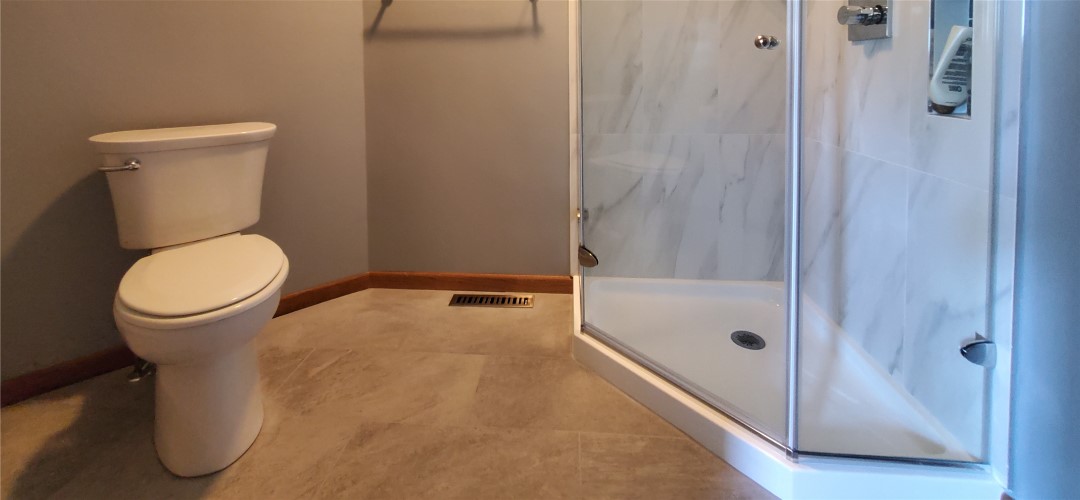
[{"x": 202, "y": 276}]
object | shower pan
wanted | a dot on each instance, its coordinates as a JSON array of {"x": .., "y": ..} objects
[{"x": 783, "y": 252}]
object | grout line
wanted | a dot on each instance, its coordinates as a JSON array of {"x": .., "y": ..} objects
[{"x": 581, "y": 485}]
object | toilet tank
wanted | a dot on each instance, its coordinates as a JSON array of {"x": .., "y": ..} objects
[{"x": 191, "y": 183}]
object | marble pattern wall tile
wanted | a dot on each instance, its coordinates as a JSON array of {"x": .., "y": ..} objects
[
  {"x": 853, "y": 262},
  {"x": 652, "y": 204},
  {"x": 751, "y": 207},
  {"x": 681, "y": 67},
  {"x": 857, "y": 94},
  {"x": 697, "y": 206},
  {"x": 752, "y": 81},
  {"x": 611, "y": 64},
  {"x": 947, "y": 262},
  {"x": 680, "y": 49},
  {"x": 683, "y": 167}
]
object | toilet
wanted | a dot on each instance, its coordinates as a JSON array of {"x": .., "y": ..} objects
[{"x": 195, "y": 304}]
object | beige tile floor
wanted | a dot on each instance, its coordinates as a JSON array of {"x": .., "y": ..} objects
[{"x": 384, "y": 394}]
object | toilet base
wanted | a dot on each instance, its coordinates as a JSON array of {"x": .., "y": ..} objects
[{"x": 209, "y": 413}]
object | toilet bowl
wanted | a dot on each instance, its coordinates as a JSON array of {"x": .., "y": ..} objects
[
  {"x": 208, "y": 408},
  {"x": 195, "y": 304}
]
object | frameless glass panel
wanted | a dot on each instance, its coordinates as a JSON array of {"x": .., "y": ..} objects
[
  {"x": 896, "y": 249},
  {"x": 683, "y": 187}
]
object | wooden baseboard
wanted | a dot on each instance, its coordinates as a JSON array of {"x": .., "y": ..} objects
[
  {"x": 69, "y": 372},
  {"x": 424, "y": 281},
  {"x": 322, "y": 293},
  {"x": 473, "y": 282}
]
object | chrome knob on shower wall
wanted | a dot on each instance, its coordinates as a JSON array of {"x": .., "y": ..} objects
[{"x": 767, "y": 42}]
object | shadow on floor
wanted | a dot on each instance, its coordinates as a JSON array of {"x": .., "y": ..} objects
[{"x": 90, "y": 440}]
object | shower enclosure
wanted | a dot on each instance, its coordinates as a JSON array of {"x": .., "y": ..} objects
[{"x": 788, "y": 234}]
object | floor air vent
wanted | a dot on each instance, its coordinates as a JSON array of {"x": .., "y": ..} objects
[{"x": 500, "y": 300}]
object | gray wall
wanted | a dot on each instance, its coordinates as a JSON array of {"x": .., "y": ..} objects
[
  {"x": 1046, "y": 344},
  {"x": 468, "y": 136},
  {"x": 74, "y": 69}
]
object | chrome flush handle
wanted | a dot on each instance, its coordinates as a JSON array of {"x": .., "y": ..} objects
[{"x": 129, "y": 164}]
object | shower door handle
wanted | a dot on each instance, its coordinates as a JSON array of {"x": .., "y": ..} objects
[
  {"x": 766, "y": 42},
  {"x": 586, "y": 258},
  {"x": 979, "y": 350}
]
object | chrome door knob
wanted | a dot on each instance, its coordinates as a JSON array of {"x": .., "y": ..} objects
[{"x": 766, "y": 42}]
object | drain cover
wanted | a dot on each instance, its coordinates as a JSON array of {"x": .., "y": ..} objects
[
  {"x": 748, "y": 340},
  {"x": 488, "y": 300}
]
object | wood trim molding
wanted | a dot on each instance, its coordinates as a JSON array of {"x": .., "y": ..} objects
[
  {"x": 69, "y": 372},
  {"x": 322, "y": 293},
  {"x": 473, "y": 282},
  {"x": 424, "y": 281},
  {"x": 76, "y": 370}
]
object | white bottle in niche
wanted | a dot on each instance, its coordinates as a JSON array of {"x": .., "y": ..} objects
[{"x": 951, "y": 82}]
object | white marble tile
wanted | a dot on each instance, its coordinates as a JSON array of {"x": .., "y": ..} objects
[
  {"x": 854, "y": 227},
  {"x": 653, "y": 203},
  {"x": 752, "y": 207},
  {"x": 947, "y": 266},
  {"x": 680, "y": 52},
  {"x": 857, "y": 94},
  {"x": 752, "y": 82},
  {"x": 611, "y": 64},
  {"x": 686, "y": 206}
]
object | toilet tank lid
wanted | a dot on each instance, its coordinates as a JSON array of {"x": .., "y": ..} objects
[
  {"x": 202, "y": 276},
  {"x": 167, "y": 139}
]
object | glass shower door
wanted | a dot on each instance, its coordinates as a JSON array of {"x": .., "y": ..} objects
[
  {"x": 896, "y": 249},
  {"x": 683, "y": 196}
]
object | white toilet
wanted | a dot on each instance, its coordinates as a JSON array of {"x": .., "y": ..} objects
[{"x": 195, "y": 305}]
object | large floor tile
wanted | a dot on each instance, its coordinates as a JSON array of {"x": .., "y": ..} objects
[
  {"x": 417, "y": 462},
  {"x": 362, "y": 320},
  {"x": 626, "y": 467},
  {"x": 290, "y": 459},
  {"x": 546, "y": 393},
  {"x": 384, "y": 386}
]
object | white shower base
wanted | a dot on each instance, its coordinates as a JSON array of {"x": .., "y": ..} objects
[{"x": 848, "y": 404}]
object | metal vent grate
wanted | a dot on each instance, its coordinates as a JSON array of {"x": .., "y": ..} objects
[{"x": 501, "y": 300}]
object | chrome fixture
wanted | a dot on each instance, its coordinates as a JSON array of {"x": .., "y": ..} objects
[
  {"x": 129, "y": 164},
  {"x": 140, "y": 370},
  {"x": 490, "y": 300},
  {"x": 586, "y": 258},
  {"x": 766, "y": 42},
  {"x": 865, "y": 19},
  {"x": 979, "y": 350}
]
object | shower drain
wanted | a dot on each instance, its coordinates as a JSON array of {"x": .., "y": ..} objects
[{"x": 748, "y": 340}]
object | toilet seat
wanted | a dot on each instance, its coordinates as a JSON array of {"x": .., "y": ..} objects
[{"x": 201, "y": 282}]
